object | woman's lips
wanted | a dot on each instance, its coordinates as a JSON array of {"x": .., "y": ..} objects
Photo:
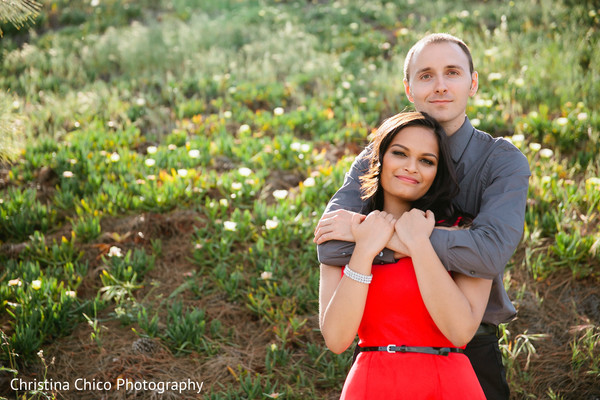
[{"x": 407, "y": 179}]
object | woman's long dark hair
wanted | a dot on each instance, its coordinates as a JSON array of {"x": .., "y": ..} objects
[{"x": 444, "y": 187}]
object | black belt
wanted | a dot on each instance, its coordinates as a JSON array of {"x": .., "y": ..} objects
[
  {"x": 487, "y": 329},
  {"x": 392, "y": 348}
]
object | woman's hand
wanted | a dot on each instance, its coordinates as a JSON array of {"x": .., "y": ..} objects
[
  {"x": 414, "y": 226},
  {"x": 373, "y": 232}
]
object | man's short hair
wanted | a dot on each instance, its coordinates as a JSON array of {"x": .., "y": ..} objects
[{"x": 437, "y": 38}]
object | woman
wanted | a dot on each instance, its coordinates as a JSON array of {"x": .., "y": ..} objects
[{"x": 412, "y": 317}]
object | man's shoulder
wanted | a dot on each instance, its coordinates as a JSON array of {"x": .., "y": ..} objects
[
  {"x": 499, "y": 150},
  {"x": 485, "y": 141}
]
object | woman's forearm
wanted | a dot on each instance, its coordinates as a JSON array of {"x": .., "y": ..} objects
[
  {"x": 457, "y": 311},
  {"x": 342, "y": 313}
]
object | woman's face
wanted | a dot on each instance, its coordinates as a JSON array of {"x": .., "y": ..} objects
[{"x": 409, "y": 164}]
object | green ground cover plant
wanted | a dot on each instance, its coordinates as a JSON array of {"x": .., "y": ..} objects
[{"x": 163, "y": 165}]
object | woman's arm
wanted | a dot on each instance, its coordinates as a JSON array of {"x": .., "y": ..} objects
[
  {"x": 455, "y": 304},
  {"x": 341, "y": 299}
]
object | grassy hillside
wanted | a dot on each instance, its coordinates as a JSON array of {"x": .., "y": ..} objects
[{"x": 157, "y": 224}]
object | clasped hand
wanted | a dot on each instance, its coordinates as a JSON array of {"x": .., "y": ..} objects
[
  {"x": 337, "y": 225},
  {"x": 373, "y": 232}
]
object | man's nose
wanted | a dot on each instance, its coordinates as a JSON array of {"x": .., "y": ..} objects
[{"x": 440, "y": 86}]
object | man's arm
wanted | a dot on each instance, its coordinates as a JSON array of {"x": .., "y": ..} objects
[{"x": 484, "y": 250}]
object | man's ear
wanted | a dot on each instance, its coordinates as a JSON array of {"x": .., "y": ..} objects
[
  {"x": 474, "y": 83},
  {"x": 407, "y": 91}
]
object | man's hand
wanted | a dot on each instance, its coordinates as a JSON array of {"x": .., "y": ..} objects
[{"x": 336, "y": 225}]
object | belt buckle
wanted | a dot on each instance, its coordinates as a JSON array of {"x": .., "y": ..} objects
[
  {"x": 444, "y": 351},
  {"x": 389, "y": 348}
]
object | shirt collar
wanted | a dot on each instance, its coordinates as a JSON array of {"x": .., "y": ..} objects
[{"x": 459, "y": 141}]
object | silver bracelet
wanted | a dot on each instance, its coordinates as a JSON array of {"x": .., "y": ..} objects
[{"x": 355, "y": 276}]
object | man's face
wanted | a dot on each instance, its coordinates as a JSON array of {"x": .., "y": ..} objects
[{"x": 440, "y": 83}]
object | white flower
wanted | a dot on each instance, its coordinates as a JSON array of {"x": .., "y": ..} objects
[
  {"x": 518, "y": 138},
  {"x": 546, "y": 179},
  {"x": 36, "y": 285},
  {"x": 114, "y": 251},
  {"x": 224, "y": 202},
  {"x": 278, "y": 111},
  {"x": 535, "y": 146},
  {"x": 230, "y": 226},
  {"x": 520, "y": 82},
  {"x": 151, "y": 149},
  {"x": 309, "y": 182},
  {"x": 15, "y": 282},
  {"x": 546, "y": 153},
  {"x": 194, "y": 153},
  {"x": 72, "y": 161},
  {"x": 475, "y": 122},
  {"x": 71, "y": 293},
  {"x": 494, "y": 76},
  {"x": 150, "y": 162},
  {"x": 296, "y": 146},
  {"x": 593, "y": 181},
  {"x": 114, "y": 157},
  {"x": 227, "y": 114},
  {"x": 305, "y": 147},
  {"x": 172, "y": 146},
  {"x": 95, "y": 3},
  {"x": 182, "y": 172},
  {"x": 245, "y": 171},
  {"x": 140, "y": 101},
  {"x": 67, "y": 174},
  {"x": 562, "y": 121},
  {"x": 244, "y": 128},
  {"x": 236, "y": 185},
  {"x": 272, "y": 223},
  {"x": 266, "y": 275},
  {"x": 280, "y": 194},
  {"x": 582, "y": 116},
  {"x": 346, "y": 85}
]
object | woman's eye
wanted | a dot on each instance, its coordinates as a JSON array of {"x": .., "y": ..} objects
[
  {"x": 399, "y": 153},
  {"x": 428, "y": 162}
]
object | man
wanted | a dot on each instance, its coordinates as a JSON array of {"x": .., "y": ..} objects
[{"x": 493, "y": 177}]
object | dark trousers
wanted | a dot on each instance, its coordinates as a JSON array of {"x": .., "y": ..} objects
[{"x": 486, "y": 359}]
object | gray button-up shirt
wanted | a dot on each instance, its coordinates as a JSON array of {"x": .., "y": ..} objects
[{"x": 493, "y": 177}]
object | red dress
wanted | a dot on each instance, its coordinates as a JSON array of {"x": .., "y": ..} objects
[{"x": 395, "y": 314}]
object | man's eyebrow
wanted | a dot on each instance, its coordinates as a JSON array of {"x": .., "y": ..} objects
[
  {"x": 454, "y": 67},
  {"x": 406, "y": 148}
]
